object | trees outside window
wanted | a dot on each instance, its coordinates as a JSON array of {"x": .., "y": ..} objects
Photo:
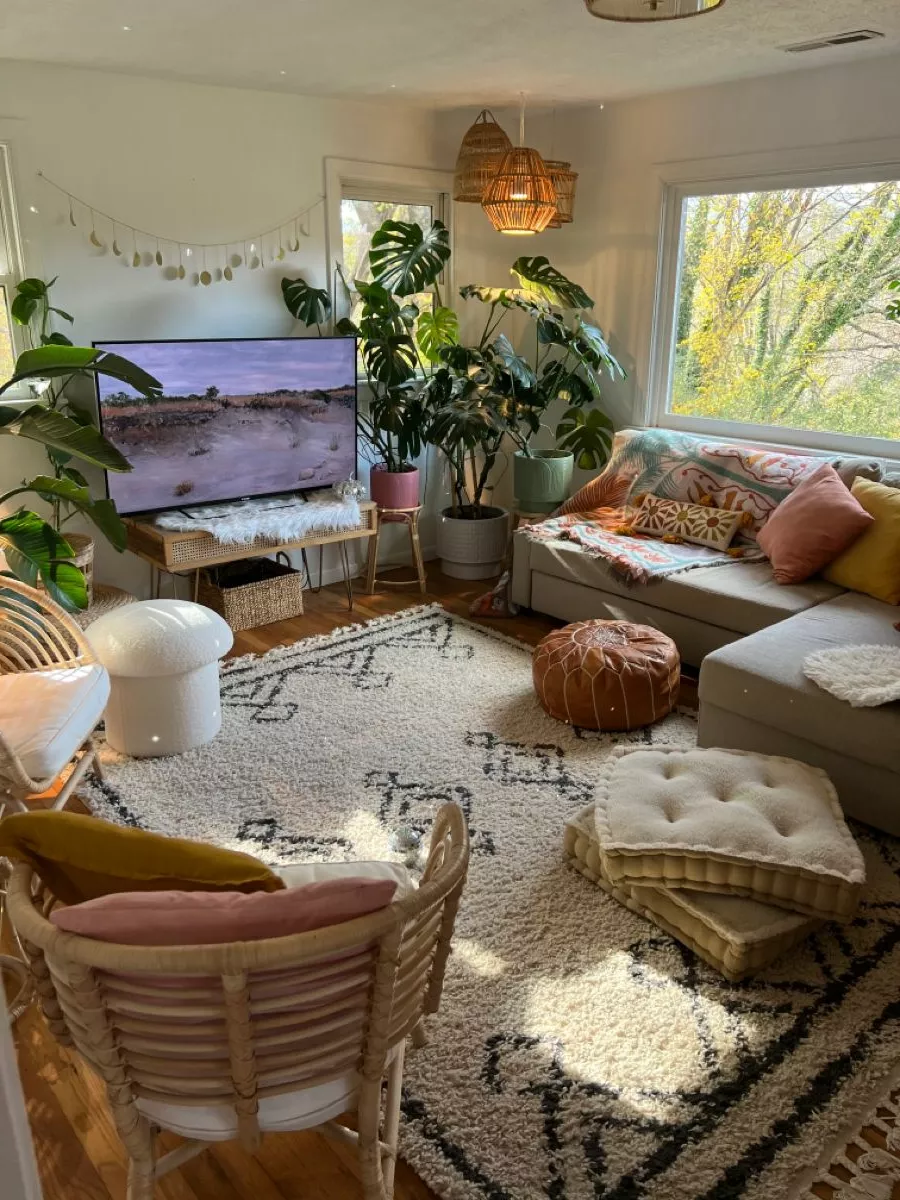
[{"x": 780, "y": 315}]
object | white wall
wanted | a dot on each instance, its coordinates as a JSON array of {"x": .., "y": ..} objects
[
  {"x": 20, "y": 1177},
  {"x": 194, "y": 162},
  {"x": 820, "y": 114}
]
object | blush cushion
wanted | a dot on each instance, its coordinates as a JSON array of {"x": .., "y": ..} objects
[
  {"x": 812, "y": 526},
  {"x": 211, "y": 918}
]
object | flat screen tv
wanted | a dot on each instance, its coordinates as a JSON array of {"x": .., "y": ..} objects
[{"x": 238, "y": 417}]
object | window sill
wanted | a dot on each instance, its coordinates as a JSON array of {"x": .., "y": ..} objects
[{"x": 798, "y": 441}]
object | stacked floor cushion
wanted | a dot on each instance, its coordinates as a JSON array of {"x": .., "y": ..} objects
[{"x": 738, "y": 855}]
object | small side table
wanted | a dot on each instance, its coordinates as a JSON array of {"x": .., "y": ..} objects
[{"x": 409, "y": 517}]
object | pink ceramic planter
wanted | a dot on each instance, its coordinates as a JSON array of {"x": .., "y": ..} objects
[{"x": 394, "y": 489}]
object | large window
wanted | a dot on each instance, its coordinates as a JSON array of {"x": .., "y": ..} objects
[
  {"x": 775, "y": 312},
  {"x": 10, "y": 269}
]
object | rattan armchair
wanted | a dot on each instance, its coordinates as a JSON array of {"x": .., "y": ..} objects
[
  {"x": 37, "y": 635},
  {"x": 236, "y": 1029},
  {"x": 39, "y": 639}
]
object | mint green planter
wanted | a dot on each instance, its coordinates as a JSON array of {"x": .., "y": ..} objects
[{"x": 541, "y": 480}]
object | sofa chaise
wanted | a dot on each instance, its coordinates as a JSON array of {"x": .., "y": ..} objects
[{"x": 749, "y": 635}]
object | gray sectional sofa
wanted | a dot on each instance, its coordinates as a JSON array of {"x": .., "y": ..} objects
[{"x": 749, "y": 635}]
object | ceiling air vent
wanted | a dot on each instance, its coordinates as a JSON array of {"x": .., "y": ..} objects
[{"x": 839, "y": 39}]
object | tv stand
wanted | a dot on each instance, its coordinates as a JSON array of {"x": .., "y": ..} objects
[{"x": 189, "y": 552}]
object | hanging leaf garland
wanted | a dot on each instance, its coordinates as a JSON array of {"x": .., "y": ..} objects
[{"x": 282, "y": 239}]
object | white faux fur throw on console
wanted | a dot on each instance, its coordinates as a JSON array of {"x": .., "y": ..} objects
[
  {"x": 275, "y": 518},
  {"x": 864, "y": 676}
]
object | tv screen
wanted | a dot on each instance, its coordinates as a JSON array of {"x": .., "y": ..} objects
[{"x": 237, "y": 418}]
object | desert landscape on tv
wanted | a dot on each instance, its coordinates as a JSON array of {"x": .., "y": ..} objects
[{"x": 236, "y": 419}]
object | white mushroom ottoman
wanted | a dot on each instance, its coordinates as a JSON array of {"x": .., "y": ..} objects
[
  {"x": 163, "y": 661},
  {"x": 740, "y": 856}
]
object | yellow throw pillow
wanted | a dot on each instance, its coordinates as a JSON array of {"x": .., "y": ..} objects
[
  {"x": 872, "y": 563},
  {"x": 678, "y": 519},
  {"x": 81, "y": 858}
]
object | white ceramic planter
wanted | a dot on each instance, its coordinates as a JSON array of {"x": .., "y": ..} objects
[{"x": 472, "y": 549}]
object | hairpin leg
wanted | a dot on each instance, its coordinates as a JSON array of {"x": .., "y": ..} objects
[{"x": 348, "y": 579}]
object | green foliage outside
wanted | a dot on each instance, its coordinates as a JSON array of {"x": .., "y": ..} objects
[{"x": 783, "y": 309}]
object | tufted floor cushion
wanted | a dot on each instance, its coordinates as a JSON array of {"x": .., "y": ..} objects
[
  {"x": 735, "y": 935},
  {"x": 728, "y": 821},
  {"x": 607, "y": 674}
]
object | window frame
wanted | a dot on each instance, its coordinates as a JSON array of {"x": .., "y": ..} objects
[
  {"x": 356, "y": 180},
  {"x": 11, "y": 246},
  {"x": 865, "y": 163}
]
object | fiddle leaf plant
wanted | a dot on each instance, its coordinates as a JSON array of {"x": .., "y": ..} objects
[{"x": 36, "y": 550}]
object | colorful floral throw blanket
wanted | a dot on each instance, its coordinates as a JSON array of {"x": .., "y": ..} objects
[{"x": 676, "y": 466}]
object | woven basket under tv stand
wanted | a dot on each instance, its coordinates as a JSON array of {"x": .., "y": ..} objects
[{"x": 189, "y": 552}]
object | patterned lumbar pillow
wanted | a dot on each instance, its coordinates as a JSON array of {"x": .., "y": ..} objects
[{"x": 680, "y": 521}]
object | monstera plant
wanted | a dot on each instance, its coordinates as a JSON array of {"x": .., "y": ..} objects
[
  {"x": 37, "y": 550},
  {"x": 402, "y": 326}
]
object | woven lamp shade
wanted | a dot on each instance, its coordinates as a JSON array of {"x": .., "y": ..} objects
[
  {"x": 650, "y": 10},
  {"x": 564, "y": 180},
  {"x": 521, "y": 198},
  {"x": 480, "y": 155}
]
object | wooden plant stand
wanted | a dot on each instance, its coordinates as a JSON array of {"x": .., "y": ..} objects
[
  {"x": 189, "y": 552},
  {"x": 409, "y": 517}
]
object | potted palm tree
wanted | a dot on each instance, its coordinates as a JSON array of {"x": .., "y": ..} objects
[{"x": 37, "y": 551}]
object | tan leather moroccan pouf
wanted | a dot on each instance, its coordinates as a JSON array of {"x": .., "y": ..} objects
[{"x": 607, "y": 674}]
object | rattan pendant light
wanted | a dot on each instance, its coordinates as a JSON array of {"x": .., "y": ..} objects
[
  {"x": 521, "y": 198},
  {"x": 564, "y": 180},
  {"x": 650, "y": 10},
  {"x": 480, "y": 155}
]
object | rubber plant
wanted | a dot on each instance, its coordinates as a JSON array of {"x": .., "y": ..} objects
[{"x": 36, "y": 550}]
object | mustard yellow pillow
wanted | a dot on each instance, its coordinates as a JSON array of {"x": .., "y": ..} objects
[
  {"x": 81, "y": 858},
  {"x": 872, "y": 563}
]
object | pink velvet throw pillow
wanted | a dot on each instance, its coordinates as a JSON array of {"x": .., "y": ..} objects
[
  {"x": 210, "y": 918},
  {"x": 812, "y": 526}
]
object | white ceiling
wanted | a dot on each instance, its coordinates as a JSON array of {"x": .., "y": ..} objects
[{"x": 440, "y": 52}]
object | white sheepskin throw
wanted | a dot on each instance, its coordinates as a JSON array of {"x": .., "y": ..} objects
[
  {"x": 864, "y": 676},
  {"x": 273, "y": 518}
]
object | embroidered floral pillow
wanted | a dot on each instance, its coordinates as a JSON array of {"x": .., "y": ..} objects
[{"x": 677, "y": 520}]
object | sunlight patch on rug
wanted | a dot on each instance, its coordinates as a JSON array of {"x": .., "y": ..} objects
[{"x": 580, "y": 1053}]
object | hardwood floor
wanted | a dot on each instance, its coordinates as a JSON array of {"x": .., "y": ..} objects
[{"x": 78, "y": 1151}]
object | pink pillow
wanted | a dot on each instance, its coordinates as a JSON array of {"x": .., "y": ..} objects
[
  {"x": 208, "y": 918},
  {"x": 812, "y": 526}
]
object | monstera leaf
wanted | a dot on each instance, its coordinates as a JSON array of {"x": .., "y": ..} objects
[
  {"x": 435, "y": 331},
  {"x": 588, "y": 434},
  {"x": 59, "y": 432},
  {"x": 405, "y": 260},
  {"x": 518, "y": 367},
  {"x": 539, "y": 278},
  {"x": 307, "y": 304},
  {"x": 390, "y": 359},
  {"x": 36, "y": 552},
  {"x": 591, "y": 345}
]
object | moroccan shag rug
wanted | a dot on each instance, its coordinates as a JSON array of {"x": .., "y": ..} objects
[{"x": 580, "y": 1053}]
